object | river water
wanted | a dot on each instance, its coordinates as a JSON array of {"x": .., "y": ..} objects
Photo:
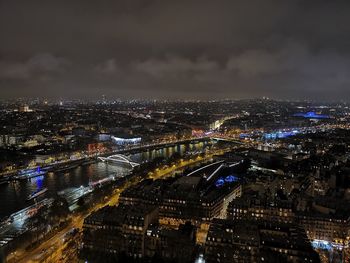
[{"x": 13, "y": 195}]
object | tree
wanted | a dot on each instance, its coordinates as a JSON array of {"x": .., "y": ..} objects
[{"x": 59, "y": 209}]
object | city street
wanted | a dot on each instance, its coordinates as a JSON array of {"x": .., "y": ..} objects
[{"x": 53, "y": 248}]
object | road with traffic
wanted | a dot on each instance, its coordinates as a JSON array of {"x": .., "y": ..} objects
[{"x": 53, "y": 249}]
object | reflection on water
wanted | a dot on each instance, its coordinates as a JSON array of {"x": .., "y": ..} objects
[{"x": 13, "y": 196}]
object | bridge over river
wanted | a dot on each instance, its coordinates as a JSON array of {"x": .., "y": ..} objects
[{"x": 119, "y": 159}]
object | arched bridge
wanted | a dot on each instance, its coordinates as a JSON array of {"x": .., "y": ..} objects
[{"x": 119, "y": 159}]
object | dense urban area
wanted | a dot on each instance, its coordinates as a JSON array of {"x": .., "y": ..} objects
[{"x": 182, "y": 181}]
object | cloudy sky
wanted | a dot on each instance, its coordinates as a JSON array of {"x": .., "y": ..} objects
[{"x": 175, "y": 49}]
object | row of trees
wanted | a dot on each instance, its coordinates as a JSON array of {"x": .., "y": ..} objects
[{"x": 47, "y": 219}]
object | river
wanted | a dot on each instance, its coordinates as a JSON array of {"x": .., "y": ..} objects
[{"x": 13, "y": 195}]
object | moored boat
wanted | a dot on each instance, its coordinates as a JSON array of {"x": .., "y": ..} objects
[
  {"x": 29, "y": 173},
  {"x": 36, "y": 194}
]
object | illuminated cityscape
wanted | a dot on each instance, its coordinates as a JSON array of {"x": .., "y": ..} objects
[
  {"x": 174, "y": 132},
  {"x": 80, "y": 188}
]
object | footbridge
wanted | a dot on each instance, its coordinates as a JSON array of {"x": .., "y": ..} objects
[
  {"x": 119, "y": 159},
  {"x": 217, "y": 137}
]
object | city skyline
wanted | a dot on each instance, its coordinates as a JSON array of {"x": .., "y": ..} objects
[
  {"x": 152, "y": 131},
  {"x": 109, "y": 181},
  {"x": 175, "y": 50}
]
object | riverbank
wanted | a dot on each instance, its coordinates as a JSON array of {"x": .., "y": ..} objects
[
  {"x": 70, "y": 164},
  {"x": 111, "y": 199}
]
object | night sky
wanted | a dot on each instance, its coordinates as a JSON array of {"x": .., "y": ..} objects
[{"x": 175, "y": 49}]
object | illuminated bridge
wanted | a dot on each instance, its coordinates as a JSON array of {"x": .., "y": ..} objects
[
  {"x": 222, "y": 137},
  {"x": 119, "y": 159}
]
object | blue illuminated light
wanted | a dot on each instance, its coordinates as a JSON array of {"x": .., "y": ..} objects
[
  {"x": 220, "y": 182},
  {"x": 228, "y": 179},
  {"x": 39, "y": 181},
  {"x": 280, "y": 135},
  {"x": 311, "y": 115},
  {"x": 231, "y": 179}
]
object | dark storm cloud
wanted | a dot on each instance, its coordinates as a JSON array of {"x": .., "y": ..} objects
[{"x": 175, "y": 49}]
